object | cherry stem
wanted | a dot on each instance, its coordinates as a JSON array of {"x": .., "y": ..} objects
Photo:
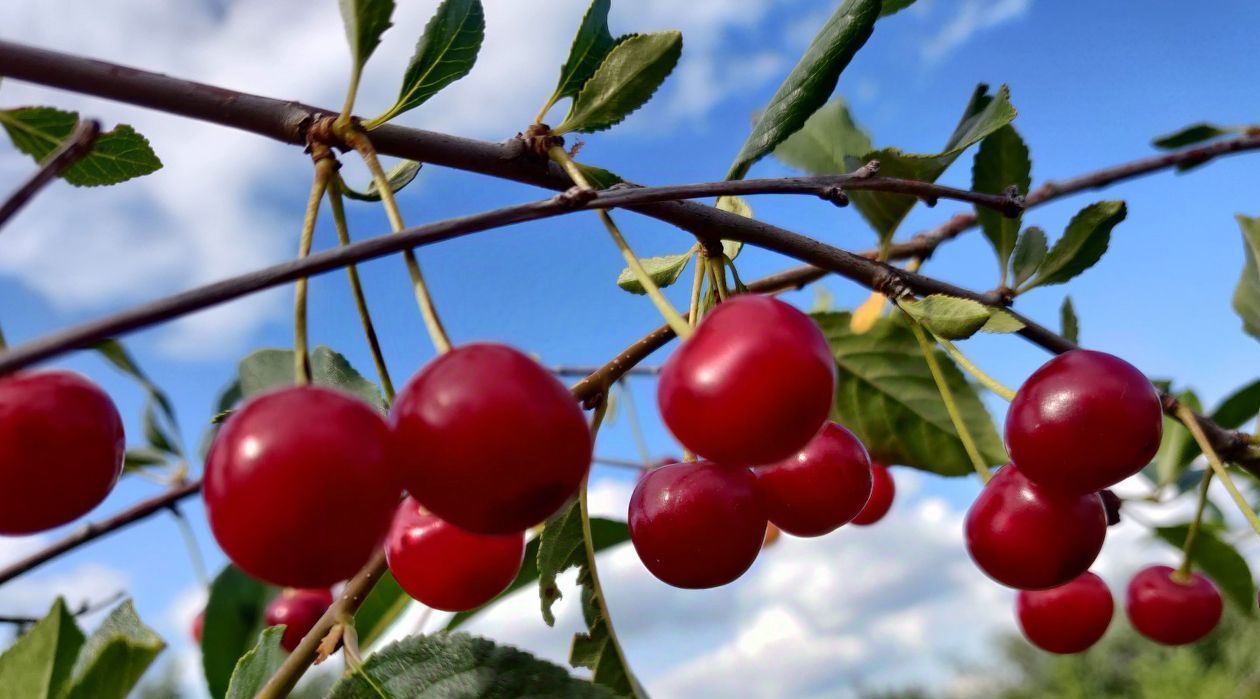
[
  {"x": 968, "y": 366},
  {"x": 671, "y": 316},
  {"x": 1191, "y": 421},
  {"x": 337, "y": 204},
  {"x": 343, "y": 119},
  {"x": 437, "y": 333},
  {"x": 632, "y": 419},
  {"x": 621, "y": 463},
  {"x": 739, "y": 283},
  {"x": 190, "y": 543},
  {"x": 324, "y": 168},
  {"x": 697, "y": 287},
  {"x": 718, "y": 276},
  {"x": 947, "y": 396},
  {"x": 1182, "y": 574}
]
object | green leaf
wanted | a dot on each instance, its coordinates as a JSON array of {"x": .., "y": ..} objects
[
  {"x": 664, "y": 271},
  {"x": 442, "y": 666},
  {"x": 1247, "y": 293},
  {"x": 228, "y": 397},
  {"x": 598, "y": 177},
  {"x": 892, "y": 7},
  {"x": 1030, "y": 252},
  {"x": 950, "y": 317},
  {"x": 823, "y": 145},
  {"x": 115, "y": 657},
  {"x": 445, "y": 53},
  {"x": 380, "y": 609},
  {"x": 258, "y": 665},
  {"x": 156, "y": 433},
  {"x": 1239, "y": 407},
  {"x": 1177, "y": 447},
  {"x": 810, "y": 83},
  {"x": 885, "y": 394},
  {"x": 39, "y": 664},
  {"x": 366, "y": 21},
  {"x": 232, "y": 620},
  {"x": 1001, "y": 322},
  {"x": 1082, "y": 244},
  {"x": 117, "y": 354},
  {"x": 1219, "y": 561},
  {"x": 398, "y": 177},
  {"x": 266, "y": 369},
  {"x": 116, "y": 156},
  {"x": 140, "y": 458},
  {"x": 1071, "y": 327},
  {"x": 590, "y": 46},
  {"x": 1195, "y": 133},
  {"x": 560, "y": 548},
  {"x": 1001, "y": 161},
  {"x": 740, "y": 207},
  {"x": 626, "y": 79},
  {"x": 885, "y": 211}
]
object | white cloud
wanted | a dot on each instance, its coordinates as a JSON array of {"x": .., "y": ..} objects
[{"x": 969, "y": 17}]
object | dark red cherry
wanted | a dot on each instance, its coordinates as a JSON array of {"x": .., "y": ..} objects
[
  {"x": 697, "y": 525},
  {"x": 1066, "y": 619},
  {"x": 445, "y": 567},
  {"x": 198, "y": 623},
  {"x": 821, "y": 487},
  {"x": 490, "y": 441},
  {"x": 61, "y": 450},
  {"x": 1084, "y": 421},
  {"x": 883, "y": 489},
  {"x": 1030, "y": 538},
  {"x": 299, "y": 486},
  {"x": 1171, "y": 612},
  {"x": 298, "y": 611},
  {"x": 752, "y": 386}
]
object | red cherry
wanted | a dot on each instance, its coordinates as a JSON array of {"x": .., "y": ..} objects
[
  {"x": 697, "y": 525},
  {"x": 883, "y": 488},
  {"x": 820, "y": 488},
  {"x": 752, "y": 386},
  {"x": 1084, "y": 421},
  {"x": 445, "y": 567},
  {"x": 490, "y": 441},
  {"x": 1170, "y": 612},
  {"x": 1066, "y": 619},
  {"x": 299, "y": 486},
  {"x": 1030, "y": 538},
  {"x": 298, "y": 611},
  {"x": 61, "y": 450},
  {"x": 197, "y": 624}
]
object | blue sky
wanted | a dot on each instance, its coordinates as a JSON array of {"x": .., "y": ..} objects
[{"x": 1093, "y": 82}]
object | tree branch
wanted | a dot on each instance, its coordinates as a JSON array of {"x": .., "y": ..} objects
[{"x": 67, "y": 154}]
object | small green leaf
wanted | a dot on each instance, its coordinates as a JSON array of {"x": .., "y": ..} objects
[
  {"x": 1082, "y": 244},
  {"x": 1001, "y": 322},
  {"x": 115, "y": 657},
  {"x": 140, "y": 458},
  {"x": 1247, "y": 293},
  {"x": 892, "y": 7},
  {"x": 825, "y": 143},
  {"x": 1071, "y": 328},
  {"x": 591, "y": 44},
  {"x": 559, "y": 548},
  {"x": 445, "y": 53},
  {"x": 1177, "y": 447},
  {"x": 1190, "y": 135},
  {"x": 116, "y": 156},
  {"x": 740, "y": 207},
  {"x": 266, "y": 369},
  {"x": 156, "y": 434},
  {"x": 398, "y": 177},
  {"x": 810, "y": 83},
  {"x": 1030, "y": 252},
  {"x": 380, "y": 609},
  {"x": 1001, "y": 161},
  {"x": 39, "y": 664},
  {"x": 258, "y": 665},
  {"x": 1219, "y": 561},
  {"x": 664, "y": 271},
  {"x": 1239, "y": 407},
  {"x": 949, "y": 317},
  {"x": 442, "y": 666},
  {"x": 626, "y": 79},
  {"x": 232, "y": 620},
  {"x": 366, "y": 21},
  {"x": 598, "y": 177}
]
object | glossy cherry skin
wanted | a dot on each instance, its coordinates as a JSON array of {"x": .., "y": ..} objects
[
  {"x": 883, "y": 490},
  {"x": 752, "y": 386},
  {"x": 298, "y": 611},
  {"x": 821, "y": 487},
  {"x": 445, "y": 567},
  {"x": 490, "y": 441},
  {"x": 299, "y": 486},
  {"x": 697, "y": 525},
  {"x": 1066, "y": 619},
  {"x": 1030, "y": 538},
  {"x": 1170, "y": 612},
  {"x": 61, "y": 450},
  {"x": 1084, "y": 421}
]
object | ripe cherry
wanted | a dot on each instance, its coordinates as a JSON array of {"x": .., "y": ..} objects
[
  {"x": 61, "y": 449},
  {"x": 298, "y": 610},
  {"x": 1066, "y": 619},
  {"x": 198, "y": 623},
  {"x": 883, "y": 489},
  {"x": 1084, "y": 421},
  {"x": 752, "y": 386},
  {"x": 697, "y": 525},
  {"x": 299, "y": 486},
  {"x": 1030, "y": 538},
  {"x": 445, "y": 567},
  {"x": 489, "y": 440},
  {"x": 821, "y": 487},
  {"x": 1171, "y": 612}
]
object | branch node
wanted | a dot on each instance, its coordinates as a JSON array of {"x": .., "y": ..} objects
[
  {"x": 929, "y": 200},
  {"x": 889, "y": 283},
  {"x": 576, "y": 196},
  {"x": 870, "y": 169},
  {"x": 1014, "y": 205},
  {"x": 538, "y": 139},
  {"x": 834, "y": 194}
]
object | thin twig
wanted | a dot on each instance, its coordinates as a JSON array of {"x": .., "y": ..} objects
[
  {"x": 1191, "y": 421},
  {"x": 68, "y": 153},
  {"x": 85, "y": 608},
  {"x": 567, "y": 370}
]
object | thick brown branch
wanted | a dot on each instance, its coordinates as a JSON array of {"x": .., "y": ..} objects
[{"x": 67, "y": 154}]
